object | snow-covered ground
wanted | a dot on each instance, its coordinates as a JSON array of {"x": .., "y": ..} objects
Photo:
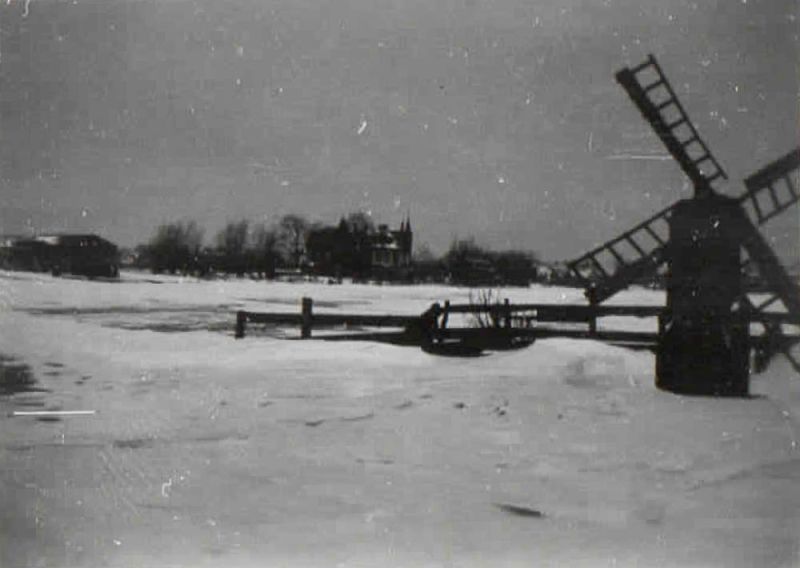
[{"x": 209, "y": 451}]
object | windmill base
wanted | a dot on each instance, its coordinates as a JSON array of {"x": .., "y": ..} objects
[{"x": 704, "y": 362}]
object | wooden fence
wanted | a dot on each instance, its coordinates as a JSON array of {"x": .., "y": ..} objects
[
  {"x": 505, "y": 319},
  {"x": 519, "y": 320}
]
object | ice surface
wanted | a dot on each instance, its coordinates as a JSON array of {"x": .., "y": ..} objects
[{"x": 210, "y": 451}]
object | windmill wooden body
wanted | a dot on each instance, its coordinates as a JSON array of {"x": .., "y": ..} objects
[{"x": 704, "y": 242}]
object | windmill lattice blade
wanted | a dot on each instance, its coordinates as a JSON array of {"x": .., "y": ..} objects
[
  {"x": 616, "y": 264},
  {"x": 770, "y": 268},
  {"x": 628, "y": 274},
  {"x": 773, "y": 340},
  {"x": 659, "y": 105},
  {"x": 772, "y": 190}
]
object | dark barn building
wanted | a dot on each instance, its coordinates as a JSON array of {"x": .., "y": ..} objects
[{"x": 83, "y": 255}]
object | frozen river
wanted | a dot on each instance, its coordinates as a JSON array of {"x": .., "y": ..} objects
[{"x": 202, "y": 450}]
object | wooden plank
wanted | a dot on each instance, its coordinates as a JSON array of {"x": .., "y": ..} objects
[
  {"x": 376, "y": 320},
  {"x": 583, "y": 314},
  {"x": 601, "y": 311},
  {"x": 628, "y": 336},
  {"x": 394, "y": 337},
  {"x": 537, "y": 333},
  {"x": 365, "y": 320},
  {"x": 260, "y": 317}
]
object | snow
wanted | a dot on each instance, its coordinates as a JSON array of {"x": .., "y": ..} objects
[{"x": 210, "y": 451}]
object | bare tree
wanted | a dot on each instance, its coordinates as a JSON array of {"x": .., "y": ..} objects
[
  {"x": 292, "y": 231},
  {"x": 424, "y": 254},
  {"x": 192, "y": 235},
  {"x": 232, "y": 243},
  {"x": 489, "y": 302},
  {"x": 359, "y": 222},
  {"x": 233, "y": 238},
  {"x": 175, "y": 247},
  {"x": 264, "y": 247}
]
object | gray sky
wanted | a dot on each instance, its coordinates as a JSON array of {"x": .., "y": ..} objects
[{"x": 499, "y": 119}]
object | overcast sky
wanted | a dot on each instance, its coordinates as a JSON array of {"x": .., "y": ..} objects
[{"x": 494, "y": 118}]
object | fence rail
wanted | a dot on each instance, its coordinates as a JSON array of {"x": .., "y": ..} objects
[{"x": 366, "y": 320}]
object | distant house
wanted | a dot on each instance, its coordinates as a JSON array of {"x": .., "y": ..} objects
[
  {"x": 82, "y": 254},
  {"x": 361, "y": 252},
  {"x": 390, "y": 251}
]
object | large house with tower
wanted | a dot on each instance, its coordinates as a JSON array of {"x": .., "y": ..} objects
[
  {"x": 390, "y": 251},
  {"x": 361, "y": 252}
]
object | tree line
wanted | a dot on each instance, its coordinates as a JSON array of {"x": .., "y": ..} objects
[
  {"x": 468, "y": 263},
  {"x": 294, "y": 243},
  {"x": 239, "y": 248}
]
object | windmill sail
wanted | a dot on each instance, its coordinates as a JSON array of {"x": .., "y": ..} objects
[
  {"x": 771, "y": 190},
  {"x": 604, "y": 271},
  {"x": 702, "y": 241},
  {"x": 770, "y": 268},
  {"x": 783, "y": 288},
  {"x": 649, "y": 89},
  {"x": 616, "y": 264}
]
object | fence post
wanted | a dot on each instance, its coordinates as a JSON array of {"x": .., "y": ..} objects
[
  {"x": 308, "y": 308},
  {"x": 431, "y": 322},
  {"x": 593, "y": 320},
  {"x": 241, "y": 324},
  {"x": 507, "y": 306},
  {"x": 592, "y": 294}
]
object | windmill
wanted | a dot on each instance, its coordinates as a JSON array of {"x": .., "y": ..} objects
[{"x": 704, "y": 242}]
